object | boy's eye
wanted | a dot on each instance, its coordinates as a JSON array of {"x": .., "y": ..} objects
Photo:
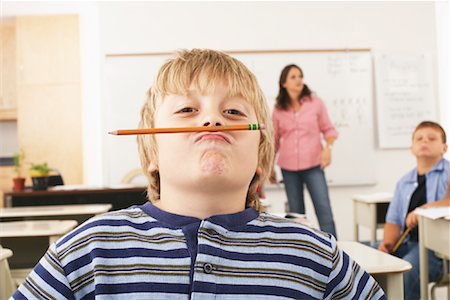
[
  {"x": 187, "y": 110},
  {"x": 236, "y": 112}
]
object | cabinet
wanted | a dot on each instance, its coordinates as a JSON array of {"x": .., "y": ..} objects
[
  {"x": 43, "y": 85},
  {"x": 8, "y": 87}
]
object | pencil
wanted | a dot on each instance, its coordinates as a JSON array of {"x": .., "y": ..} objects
[
  {"x": 188, "y": 129},
  {"x": 400, "y": 240}
]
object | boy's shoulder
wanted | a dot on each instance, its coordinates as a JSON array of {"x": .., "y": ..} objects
[
  {"x": 293, "y": 231},
  {"x": 131, "y": 220}
]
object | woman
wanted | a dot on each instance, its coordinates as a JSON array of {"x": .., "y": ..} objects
[{"x": 300, "y": 120}]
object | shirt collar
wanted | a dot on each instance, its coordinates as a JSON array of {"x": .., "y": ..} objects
[
  {"x": 439, "y": 167},
  {"x": 226, "y": 220}
]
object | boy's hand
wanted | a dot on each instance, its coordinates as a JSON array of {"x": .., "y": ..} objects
[
  {"x": 325, "y": 158},
  {"x": 411, "y": 220},
  {"x": 387, "y": 248}
]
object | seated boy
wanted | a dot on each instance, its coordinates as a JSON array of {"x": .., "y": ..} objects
[
  {"x": 423, "y": 186},
  {"x": 202, "y": 234}
]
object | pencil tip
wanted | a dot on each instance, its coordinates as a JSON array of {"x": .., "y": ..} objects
[{"x": 113, "y": 132}]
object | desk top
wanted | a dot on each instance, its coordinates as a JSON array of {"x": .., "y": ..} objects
[
  {"x": 36, "y": 228},
  {"x": 5, "y": 253},
  {"x": 373, "y": 198},
  {"x": 76, "y": 190},
  {"x": 372, "y": 260},
  {"x": 54, "y": 210}
]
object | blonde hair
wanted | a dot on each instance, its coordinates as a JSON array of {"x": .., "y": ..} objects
[{"x": 205, "y": 69}]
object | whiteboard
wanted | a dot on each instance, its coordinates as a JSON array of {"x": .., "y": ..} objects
[
  {"x": 343, "y": 80},
  {"x": 404, "y": 96}
]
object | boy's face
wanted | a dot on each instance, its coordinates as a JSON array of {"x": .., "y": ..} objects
[
  {"x": 427, "y": 143},
  {"x": 206, "y": 159}
]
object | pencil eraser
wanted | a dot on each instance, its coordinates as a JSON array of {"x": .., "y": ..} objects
[{"x": 262, "y": 126}]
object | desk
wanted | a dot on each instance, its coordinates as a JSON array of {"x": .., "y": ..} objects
[
  {"x": 370, "y": 210},
  {"x": 80, "y": 212},
  {"x": 433, "y": 235},
  {"x": 7, "y": 285},
  {"x": 385, "y": 268},
  {"x": 118, "y": 197},
  {"x": 30, "y": 239},
  {"x": 53, "y": 229}
]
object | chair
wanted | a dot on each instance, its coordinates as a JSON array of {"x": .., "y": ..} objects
[
  {"x": 132, "y": 175},
  {"x": 7, "y": 285},
  {"x": 444, "y": 281}
]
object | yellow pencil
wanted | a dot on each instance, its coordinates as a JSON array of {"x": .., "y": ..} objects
[
  {"x": 188, "y": 129},
  {"x": 400, "y": 240}
]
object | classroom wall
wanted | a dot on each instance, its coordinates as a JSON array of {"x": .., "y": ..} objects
[
  {"x": 400, "y": 27},
  {"x": 116, "y": 27}
]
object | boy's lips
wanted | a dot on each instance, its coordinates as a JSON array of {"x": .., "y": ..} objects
[{"x": 213, "y": 136}]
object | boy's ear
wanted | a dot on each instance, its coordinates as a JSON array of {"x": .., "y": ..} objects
[
  {"x": 259, "y": 171},
  {"x": 152, "y": 167},
  {"x": 445, "y": 149}
]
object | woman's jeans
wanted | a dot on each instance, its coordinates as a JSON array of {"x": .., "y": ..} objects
[
  {"x": 316, "y": 184},
  {"x": 409, "y": 251}
]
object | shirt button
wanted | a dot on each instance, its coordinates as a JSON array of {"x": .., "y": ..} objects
[{"x": 208, "y": 268}]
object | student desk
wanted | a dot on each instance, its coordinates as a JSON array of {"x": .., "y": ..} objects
[
  {"x": 385, "y": 268},
  {"x": 30, "y": 239},
  {"x": 78, "y": 212},
  {"x": 370, "y": 211},
  {"x": 433, "y": 235},
  {"x": 119, "y": 198},
  {"x": 7, "y": 285}
]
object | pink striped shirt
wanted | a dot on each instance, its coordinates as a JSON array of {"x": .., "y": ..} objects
[{"x": 298, "y": 134}]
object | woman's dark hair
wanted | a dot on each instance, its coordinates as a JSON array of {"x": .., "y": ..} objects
[{"x": 283, "y": 100}]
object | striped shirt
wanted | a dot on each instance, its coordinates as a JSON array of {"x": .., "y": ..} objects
[{"x": 146, "y": 253}]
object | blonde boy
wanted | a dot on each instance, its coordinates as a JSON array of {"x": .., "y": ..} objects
[
  {"x": 201, "y": 235},
  {"x": 423, "y": 186}
]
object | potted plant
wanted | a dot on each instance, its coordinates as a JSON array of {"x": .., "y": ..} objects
[
  {"x": 39, "y": 176},
  {"x": 18, "y": 181}
]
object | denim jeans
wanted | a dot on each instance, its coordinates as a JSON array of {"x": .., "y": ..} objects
[
  {"x": 316, "y": 184},
  {"x": 409, "y": 251}
]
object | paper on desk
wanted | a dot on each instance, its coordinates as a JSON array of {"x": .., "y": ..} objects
[{"x": 433, "y": 212}]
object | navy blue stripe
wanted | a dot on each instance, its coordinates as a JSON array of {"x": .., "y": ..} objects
[
  {"x": 53, "y": 282},
  {"x": 122, "y": 253},
  {"x": 115, "y": 237},
  {"x": 19, "y": 296},
  {"x": 263, "y": 257},
  {"x": 89, "y": 296},
  {"x": 340, "y": 276},
  {"x": 114, "y": 223},
  {"x": 361, "y": 285},
  {"x": 125, "y": 288},
  {"x": 273, "y": 229},
  {"x": 234, "y": 289}
]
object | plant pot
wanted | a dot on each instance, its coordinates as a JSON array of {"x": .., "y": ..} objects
[
  {"x": 19, "y": 184},
  {"x": 40, "y": 183}
]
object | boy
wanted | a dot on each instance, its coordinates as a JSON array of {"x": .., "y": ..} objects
[
  {"x": 423, "y": 186},
  {"x": 202, "y": 235}
]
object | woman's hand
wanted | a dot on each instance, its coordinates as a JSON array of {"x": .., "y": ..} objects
[
  {"x": 325, "y": 158},
  {"x": 273, "y": 177}
]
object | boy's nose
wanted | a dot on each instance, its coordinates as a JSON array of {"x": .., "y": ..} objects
[{"x": 212, "y": 124}]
